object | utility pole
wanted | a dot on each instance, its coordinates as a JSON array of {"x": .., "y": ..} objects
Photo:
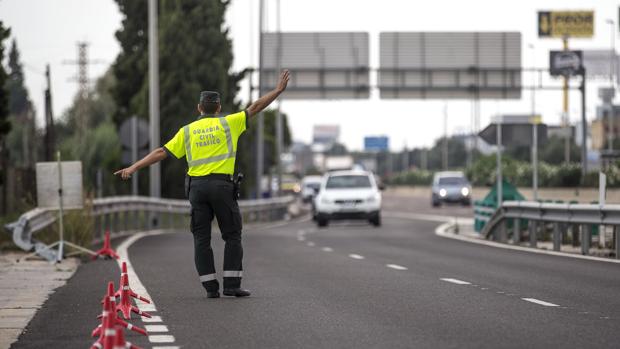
[
  {"x": 50, "y": 142},
  {"x": 444, "y": 152},
  {"x": 154, "y": 170},
  {"x": 535, "y": 121},
  {"x": 260, "y": 122},
  {"x": 279, "y": 131},
  {"x": 565, "y": 119},
  {"x": 83, "y": 81},
  {"x": 610, "y": 106}
]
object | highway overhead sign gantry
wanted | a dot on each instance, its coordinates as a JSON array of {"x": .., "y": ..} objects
[
  {"x": 450, "y": 65},
  {"x": 322, "y": 65},
  {"x": 560, "y": 24}
]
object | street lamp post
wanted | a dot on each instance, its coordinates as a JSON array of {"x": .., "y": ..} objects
[
  {"x": 534, "y": 120},
  {"x": 612, "y": 56}
]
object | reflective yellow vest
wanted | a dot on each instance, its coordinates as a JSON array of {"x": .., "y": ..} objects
[{"x": 209, "y": 144}]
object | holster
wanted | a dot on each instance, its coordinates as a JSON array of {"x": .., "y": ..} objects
[{"x": 237, "y": 186}]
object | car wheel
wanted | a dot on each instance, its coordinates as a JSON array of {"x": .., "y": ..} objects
[
  {"x": 436, "y": 203},
  {"x": 466, "y": 202},
  {"x": 376, "y": 221},
  {"x": 321, "y": 222}
]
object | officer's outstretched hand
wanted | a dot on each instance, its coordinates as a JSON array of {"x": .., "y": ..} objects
[
  {"x": 283, "y": 81},
  {"x": 125, "y": 173}
]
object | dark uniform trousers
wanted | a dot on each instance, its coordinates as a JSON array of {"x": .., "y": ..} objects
[{"x": 213, "y": 197}]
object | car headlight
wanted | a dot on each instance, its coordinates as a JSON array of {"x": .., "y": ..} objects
[
  {"x": 465, "y": 191},
  {"x": 371, "y": 198},
  {"x": 325, "y": 200},
  {"x": 442, "y": 192}
]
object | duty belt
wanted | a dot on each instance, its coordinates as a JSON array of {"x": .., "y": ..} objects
[{"x": 220, "y": 176}]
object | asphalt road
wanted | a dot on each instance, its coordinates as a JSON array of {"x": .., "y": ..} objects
[{"x": 351, "y": 285}]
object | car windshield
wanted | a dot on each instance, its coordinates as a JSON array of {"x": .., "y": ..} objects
[
  {"x": 337, "y": 182},
  {"x": 452, "y": 181}
]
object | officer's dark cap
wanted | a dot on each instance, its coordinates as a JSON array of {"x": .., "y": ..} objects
[{"x": 209, "y": 97}]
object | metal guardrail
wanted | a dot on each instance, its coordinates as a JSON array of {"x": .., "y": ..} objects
[
  {"x": 561, "y": 218},
  {"x": 136, "y": 213}
]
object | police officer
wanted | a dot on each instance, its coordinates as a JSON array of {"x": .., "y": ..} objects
[{"x": 209, "y": 146}]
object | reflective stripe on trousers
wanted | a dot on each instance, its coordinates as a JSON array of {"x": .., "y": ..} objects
[
  {"x": 188, "y": 147},
  {"x": 233, "y": 273}
]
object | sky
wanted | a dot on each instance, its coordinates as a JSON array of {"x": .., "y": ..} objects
[{"x": 47, "y": 32}]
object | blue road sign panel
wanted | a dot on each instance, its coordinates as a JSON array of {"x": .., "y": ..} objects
[{"x": 379, "y": 143}]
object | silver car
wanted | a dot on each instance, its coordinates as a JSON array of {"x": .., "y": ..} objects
[{"x": 450, "y": 187}]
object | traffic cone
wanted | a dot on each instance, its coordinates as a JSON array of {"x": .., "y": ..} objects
[
  {"x": 109, "y": 320},
  {"x": 106, "y": 251},
  {"x": 131, "y": 292},
  {"x": 124, "y": 305},
  {"x": 120, "y": 342}
]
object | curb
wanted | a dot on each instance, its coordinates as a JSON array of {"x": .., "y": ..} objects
[{"x": 443, "y": 230}]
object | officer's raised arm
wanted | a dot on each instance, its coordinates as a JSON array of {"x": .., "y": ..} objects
[
  {"x": 271, "y": 96},
  {"x": 156, "y": 155}
]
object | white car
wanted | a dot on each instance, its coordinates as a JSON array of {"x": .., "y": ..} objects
[{"x": 348, "y": 195}]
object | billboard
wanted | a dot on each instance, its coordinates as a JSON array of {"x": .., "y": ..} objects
[
  {"x": 326, "y": 134},
  {"x": 559, "y": 24},
  {"x": 376, "y": 143},
  {"x": 565, "y": 63},
  {"x": 322, "y": 65},
  {"x": 444, "y": 65}
]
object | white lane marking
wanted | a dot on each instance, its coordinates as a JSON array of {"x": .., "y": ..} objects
[
  {"x": 356, "y": 256},
  {"x": 137, "y": 286},
  {"x": 153, "y": 318},
  {"x": 456, "y": 281},
  {"x": 161, "y": 338},
  {"x": 396, "y": 266},
  {"x": 168, "y": 347},
  {"x": 539, "y": 302},
  {"x": 301, "y": 238},
  {"x": 327, "y": 249},
  {"x": 156, "y": 328},
  {"x": 310, "y": 243}
]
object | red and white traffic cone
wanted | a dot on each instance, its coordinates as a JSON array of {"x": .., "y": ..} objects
[
  {"x": 120, "y": 342},
  {"x": 106, "y": 251},
  {"x": 131, "y": 292},
  {"x": 125, "y": 293},
  {"x": 109, "y": 320}
]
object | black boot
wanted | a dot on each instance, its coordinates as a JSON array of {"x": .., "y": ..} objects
[{"x": 237, "y": 292}]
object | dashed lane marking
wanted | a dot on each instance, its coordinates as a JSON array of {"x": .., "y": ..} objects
[
  {"x": 156, "y": 328},
  {"x": 396, "y": 266},
  {"x": 327, "y": 249},
  {"x": 456, "y": 281},
  {"x": 137, "y": 286},
  {"x": 153, "y": 318},
  {"x": 539, "y": 302},
  {"x": 356, "y": 256},
  {"x": 310, "y": 243},
  {"x": 161, "y": 338},
  {"x": 169, "y": 347}
]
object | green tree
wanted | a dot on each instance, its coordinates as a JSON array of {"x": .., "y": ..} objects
[
  {"x": 553, "y": 151},
  {"x": 195, "y": 54},
  {"x": 21, "y": 140},
  {"x": 5, "y": 124},
  {"x": 100, "y": 150},
  {"x": 246, "y": 154}
]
